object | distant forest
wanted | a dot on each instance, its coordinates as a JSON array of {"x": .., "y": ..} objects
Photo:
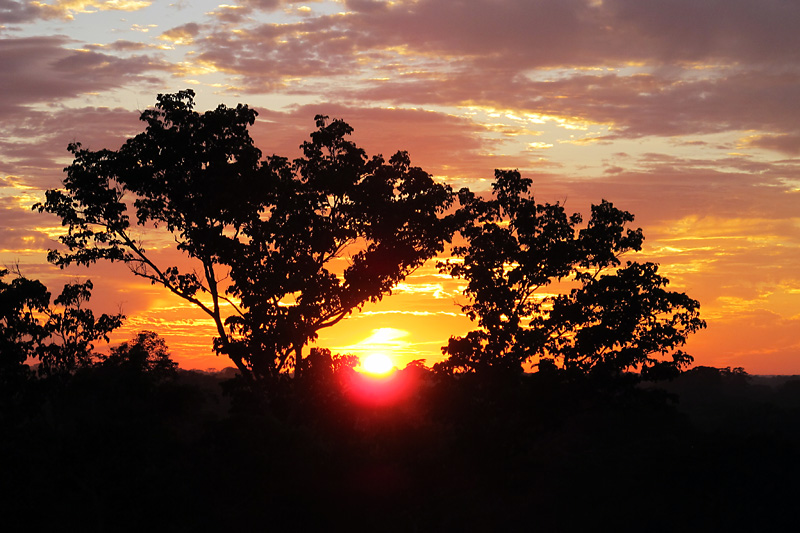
[
  {"x": 570, "y": 407},
  {"x": 119, "y": 447}
]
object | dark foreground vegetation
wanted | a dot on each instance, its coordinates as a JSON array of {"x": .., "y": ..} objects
[{"x": 119, "y": 447}]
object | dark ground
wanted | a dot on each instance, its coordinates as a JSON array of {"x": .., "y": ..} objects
[{"x": 714, "y": 450}]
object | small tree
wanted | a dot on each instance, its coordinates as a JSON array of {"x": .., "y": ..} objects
[
  {"x": 146, "y": 354},
  {"x": 22, "y": 302},
  {"x": 280, "y": 250},
  {"x": 62, "y": 337},
  {"x": 603, "y": 318},
  {"x": 72, "y": 331}
]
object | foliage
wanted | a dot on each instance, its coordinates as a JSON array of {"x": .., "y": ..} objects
[
  {"x": 61, "y": 337},
  {"x": 602, "y": 318},
  {"x": 321, "y": 360},
  {"x": 146, "y": 353},
  {"x": 21, "y": 302},
  {"x": 280, "y": 249},
  {"x": 73, "y": 330}
]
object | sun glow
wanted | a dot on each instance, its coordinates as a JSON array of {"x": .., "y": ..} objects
[{"x": 377, "y": 364}]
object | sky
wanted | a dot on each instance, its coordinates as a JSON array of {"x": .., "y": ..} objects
[{"x": 684, "y": 113}]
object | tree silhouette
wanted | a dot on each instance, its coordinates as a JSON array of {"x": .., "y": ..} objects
[
  {"x": 281, "y": 249},
  {"x": 21, "y": 301},
  {"x": 72, "y": 331},
  {"x": 146, "y": 354},
  {"x": 603, "y": 318},
  {"x": 62, "y": 337}
]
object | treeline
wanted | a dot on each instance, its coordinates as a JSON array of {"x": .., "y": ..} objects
[{"x": 127, "y": 448}]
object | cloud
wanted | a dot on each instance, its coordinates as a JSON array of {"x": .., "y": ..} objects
[
  {"x": 631, "y": 105},
  {"x": 784, "y": 142},
  {"x": 45, "y": 69},
  {"x": 760, "y": 341},
  {"x": 264, "y": 5},
  {"x": 66, "y": 9},
  {"x": 230, "y": 14},
  {"x": 14, "y": 12},
  {"x": 34, "y": 143},
  {"x": 265, "y": 56},
  {"x": 544, "y": 33},
  {"x": 39, "y": 72},
  {"x": 383, "y": 340},
  {"x": 181, "y": 35},
  {"x": 444, "y": 145},
  {"x": 272, "y": 5},
  {"x": 244, "y": 10},
  {"x": 120, "y": 45},
  {"x": 672, "y": 68},
  {"x": 21, "y": 233}
]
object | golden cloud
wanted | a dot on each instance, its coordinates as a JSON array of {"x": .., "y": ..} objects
[
  {"x": 182, "y": 35},
  {"x": 67, "y": 8}
]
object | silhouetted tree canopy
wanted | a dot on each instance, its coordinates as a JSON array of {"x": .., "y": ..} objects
[
  {"x": 60, "y": 336},
  {"x": 281, "y": 249},
  {"x": 146, "y": 353},
  {"x": 603, "y": 318},
  {"x": 20, "y": 330}
]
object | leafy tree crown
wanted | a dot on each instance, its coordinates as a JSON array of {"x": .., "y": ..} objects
[{"x": 602, "y": 318}]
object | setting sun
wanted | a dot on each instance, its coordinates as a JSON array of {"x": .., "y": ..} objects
[{"x": 377, "y": 363}]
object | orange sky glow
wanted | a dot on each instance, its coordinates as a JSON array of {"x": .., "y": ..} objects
[{"x": 684, "y": 113}]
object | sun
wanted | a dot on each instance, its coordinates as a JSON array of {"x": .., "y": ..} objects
[{"x": 377, "y": 363}]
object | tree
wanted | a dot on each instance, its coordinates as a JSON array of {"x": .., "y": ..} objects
[
  {"x": 145, "y": 354},
  {"x": 21, "y": 301},
  {"x": 280, "y": 249},
  {"x": 72, "y": 332},
  {"x": 62, "y": 337},
  {"x": 601, "y": 318}
]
